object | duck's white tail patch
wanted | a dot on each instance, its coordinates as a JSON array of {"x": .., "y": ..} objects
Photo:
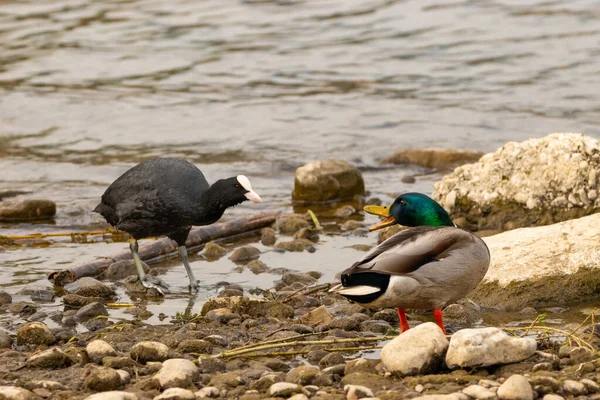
[
  {"x": 362, "y": 290},
  {"x": 245, "y": 182}
]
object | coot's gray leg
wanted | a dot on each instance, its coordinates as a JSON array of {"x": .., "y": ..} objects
[
  {"x": 184, "y": 257},
  {"x": 145, "y": 280}
]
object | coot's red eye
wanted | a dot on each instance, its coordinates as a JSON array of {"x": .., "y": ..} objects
[{"x": 237, "y": 186}]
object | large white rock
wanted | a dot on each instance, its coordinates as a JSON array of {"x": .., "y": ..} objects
[
  {"x": 535, "y": 182},
  {"x": 541, "y": 266},
  {"x": 176, "y": 372},
  {"x": 487, "y": 346},
  {"x": 419, "y": 350},
  {"x": 516, "y": 387}
]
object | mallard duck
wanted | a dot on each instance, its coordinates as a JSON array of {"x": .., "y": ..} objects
[{"x": 425, "y": 267}]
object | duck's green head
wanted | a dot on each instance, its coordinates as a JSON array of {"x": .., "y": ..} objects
[{"x": 411, "y": 209}]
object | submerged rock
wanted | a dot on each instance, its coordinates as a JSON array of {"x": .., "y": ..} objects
[
  {"x": 296, "y": 245},
  {"x": 90, "y": 311},
  {"x": 89, "y": 287},
  {"x": 213, "y": 251},
  {"x": 330, "y": 180},
  {"x": 35, "y": 333},
  {"x": 442, "y": 159},
  {"x": 245, "y": 253},
  {"x": 267, "y": 236},
  {"x": 535, "y": 182},
  {"x": 27, "y": 210},
  {"x": 487, "y": 346},
  {"x": 5, "y": 298},
  {"x": 547, "y": 265},
  {"x": 291, "y": 223},
  {"x": 419, "y": 350},
  {"x": 122, "y": 269}
]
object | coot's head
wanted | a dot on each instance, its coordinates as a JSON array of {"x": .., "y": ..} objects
[
  {"x": 233, "y": 191},
  {"x": 411, "y": 209}
]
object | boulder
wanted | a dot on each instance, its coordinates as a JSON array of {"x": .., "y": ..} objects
[
  {"x": 441, "y": 159},
  {"x": 27, "y": 210},
  {"x": 542, "y": 266},
  {"x": 486, "y": 346},
  {"x": 35, "y": 333},
  {"x": 531, "y": 183},
  {"x": 330, "y": 180},
  {"x": 89, "y": 287},
  {"x": 419, "y": 350}
]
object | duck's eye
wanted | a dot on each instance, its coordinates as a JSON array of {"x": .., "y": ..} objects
[{"x": 402, "y": 203}]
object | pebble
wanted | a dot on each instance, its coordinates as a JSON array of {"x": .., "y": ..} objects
[
  {"x": 331, "y": 359},
  {"x": 487, "y": 346},
  {"x": 217, "y": 340},
  {"x": 207, "y": 391},
  {"x": 553, "y": 397},
  {"x": 213, "y": 251},
  {"x": 543, "y": 366},
  {"x": 176, "y": 372},
  {"x": 419, "y": 350},
  {"x": 102, "y": 379},
  {"x": 118, "y": 362},
  {"x": 176, "y": 394},
  {"x": 292, "y": 277},
  {"x": 77, "y": 301},
  {"x": 575, "y": 388},
  {"x": 359, "y": 365},
  {"x": 297, "y": 245},
  {"x": 17, "y": 393},
  {"x": 124, "y": 375},
  {"x": 5, "y": 340},
  {"x": 112, "y": 395},
  {"x": 98, "y": 349},
  {"x": 345, "y": 323},
  {"x": 257, "y": 267},
  {"x": 52, "y": 358},
  {"x": 267, "y": 236},
  {"x": 479, "y": 392},
  {"x": 580, "y": 355},
  {"x": 351, "y": 225},
  {"x": 284, "y": 389},
  {"x": 143, "y": 352},
  {"x": 307, "y": 375},
  {"x": 5, "y": 298},
  {"x": 307, "y": 233},
  {"x": 51, "y": 385},
  {"x": 377, "y": 326},
  {"x": 290, "y": 224},
  {"x": 590, "y": 385},
  {"x": 35, "y": 333},
  {"x": 299, "y": 396},
  {"x": 195, "y": 346},
  {"x": 89, "y": 287},
  {"x": 354, "y": 392},
  {"x": 516, "y": 387},
  {"x": 222, "y": 315},
  {"x": 245, "y": 253}
]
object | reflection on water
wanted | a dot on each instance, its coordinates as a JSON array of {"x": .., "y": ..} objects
[{"x": 89, "y": 88}]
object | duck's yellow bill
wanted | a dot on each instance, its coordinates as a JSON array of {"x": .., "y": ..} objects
[{"x": 382, "y": 211}]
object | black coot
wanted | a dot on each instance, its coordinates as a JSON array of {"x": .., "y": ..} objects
[{"x": 165, "y": 197}]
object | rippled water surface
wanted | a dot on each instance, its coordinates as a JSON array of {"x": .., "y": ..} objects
[{"x": 89, "y": 88}]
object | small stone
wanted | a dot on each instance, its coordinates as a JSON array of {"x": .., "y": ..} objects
[
  {"x": 35, "y": 333},
  {"x": 52, "y": 358},
  {"x": 307, "y": 234},
  {"x": 292, "y": 277},
  {"x": 318, "y": 316},
  {"x": 289, "y": 224},
  {"x": 332, "y": 359},
  {"x": 257, "y": 267},
  {"x": 516, "y": 387},
  {"x": 98, "y": 349},
  {"x": 344, "y": 211},
  {"x": 575, "y": 388},
  {"x": 176, "y": 372},
  {"x": 543, "y": 366},
  {"x": 487, "y": 346},
  {"x": 50, "y": 385},
  {"x": 5, "y": 298},
  {"x": 299, "y": 396},
  {"x": 217, "y": 340},
  {"x": 112, "y": 395},
  {"x": 17, "y": 393},
  {"x": 90, "y": 311},
  {"x": 223, "y": 315},
  {"x": 529, "y": 311},
  {"x": 354, "y": 392},
  {"x": 245, "y": 253},
  {"x": 267, "y": 236},
  {"x": 89, "y": 287},
  {"x": 227, "y": 380},
  {"x": 209, "y": 365},
  {"x": 124, "y": 375},
  {"x": 102, "y": 379},
  {"x": 27, "y": 210},
  {"x": 122, "y": 269},
  {"x": 408, "y": 179},
  {"x": 377, "y": 326},
  {"x": 590, "y": 385},
  {"x": 581, "y": 355},
  {"x": 307, "y": 375},
  {"x": 213, "y": 251},
  {"x": 553, "y": 397},
  {"x": 76, "y": 301},
  {"x": 359, "y": 365},
  {"x": 5, "y": 340},
  {"x": 207, "y": 391},
  {"x": 118, "y": 362},
  {"x": 143, "y": 352},
  {"x": 419, "y": 350},
  {"x": 345, "y": 323},
  {"x": 328, "y": 180},
  {"x": 176, "y": 394},
  {"x": 284, "y": 389},
  {"x": 195, "y": 346},
  {"x": 297, "y": 245}
]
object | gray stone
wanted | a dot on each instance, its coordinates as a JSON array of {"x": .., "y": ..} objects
[
  {"x": 307, "y": 375},
  {"x": 291, "y": 277},
  {"x": 103, "y": 379},
  {"x": 176, "y": 394},
  {"x": 223, "y": 315},
  {"x": 542, "y": 180},
  {"x": 195, "y": 346},
  {"x": 267, "y": 236},
  {"x": 143, "y": 352},
  {"x": 17, "y": 393},
  {"x": 90, "y": 311},
  {"x": 89, "y": 287},
  {"x": 118, "y": 362},
  {"x": 122, "y": 269},
  {"x": 112, "y": 395},
  {"x": 98, "y": 349},
  {"x": 27, "y": 210},
  {"x": 5, "y": 340},
  {"x": 35, "y": 333},
  {"x": 51, "y": 358},
  {"x": 516, "y": 387},
  {"x": 487, "y": 346},
  {"x": 176, "y": 372},
  {"x": 330, "y": 180},
  {"x": 284, "y": 389},
  {"x": 419, "y": 350}
]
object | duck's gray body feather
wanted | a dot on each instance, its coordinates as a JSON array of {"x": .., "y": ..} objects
[{"x": 429, "y": 267}]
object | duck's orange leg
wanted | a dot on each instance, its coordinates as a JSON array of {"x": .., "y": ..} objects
[
  {"x": 437, "y": 316},
  {"x": 403, "y": 321}
]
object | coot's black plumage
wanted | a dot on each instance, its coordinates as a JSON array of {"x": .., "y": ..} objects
[{"x": 165, "y": 197}]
